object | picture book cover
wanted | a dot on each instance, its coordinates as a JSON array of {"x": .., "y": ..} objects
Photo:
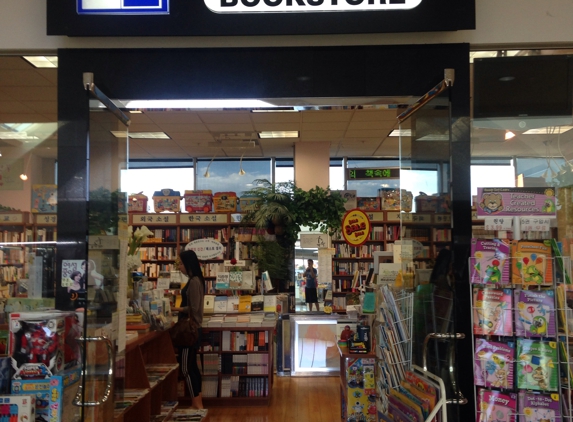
[
  {"x": 531, "y": 264},
  {"x": 495, "y": 406},
  {"x": 535, "y": 407},
  {"x": 494, "y": 363},
  {"x": 534, "y": 313},
  {"x": 489, "y": 261},
  {"x": 492, "y": 312},
  {"x": 537, "y": 365},
  {"x": 44, "y": 198}
]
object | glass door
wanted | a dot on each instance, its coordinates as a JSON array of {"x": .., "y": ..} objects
[
  {"x": 426, "y": 231},
  {"x": 105, "y": 267}
]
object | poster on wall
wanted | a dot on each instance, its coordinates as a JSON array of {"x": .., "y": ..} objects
[
  {"x": 10, "y": 171},
  {"x": 516, "y": 202},
  {"x": 72, "y": 290}
]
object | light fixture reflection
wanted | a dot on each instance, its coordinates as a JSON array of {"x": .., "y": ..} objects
[
  {"x": 509, "y": 135},
  {"x": 24, "y": 176},
  {"x": 241, "y": 171},
  {"x": 207, "y": 171}
]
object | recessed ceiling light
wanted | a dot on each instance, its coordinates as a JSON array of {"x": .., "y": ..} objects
[
  {"x": 21, "y": 136},
  {"x": 279, "y": 134},
  {"x": 141, "y": 135},
  {"x": 551, "y": 130},
  {"x": 275, "y": 110},
  {"x": 401, "y": 132},
  {"x": 42, "y": 61},
  {"x": 135, "y": 112},
  {"x": 195, "y": 104}
]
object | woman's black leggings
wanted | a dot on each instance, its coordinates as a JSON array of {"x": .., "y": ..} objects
[{"x": 190, "y": 370}]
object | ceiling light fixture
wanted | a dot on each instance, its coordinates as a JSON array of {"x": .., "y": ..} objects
[
  {"x": 199, "y": 104},
  {"x": 241, "y": 171},
  {"x": 24, "y": 176},
  {"x": 42, "y": 61},
  {"x": 509, "y": 135},
  {"x": 207, "y": 171},
  {"x": 279, "y": 134},
  {"x": 401, "y": 132}
]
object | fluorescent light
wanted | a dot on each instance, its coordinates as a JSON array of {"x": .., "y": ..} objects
[
  {"x": 279, "y": 134},
  {"x": 509, "y": 135},
  {"x": 182, "y": 104},
  {"x": 42, "y": 61},
  {"x": 550, "y": 130},
  {"x": 140, "y": 135},
  {"x": 401, "y": 132},
  {"x": 135, "y": 112},
  {"x": 16, "y": 135},
  {"x": 275, "y": 110}
]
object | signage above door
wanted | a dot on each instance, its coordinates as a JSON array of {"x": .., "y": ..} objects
[
  {"x": 123, "y": 7},
  {"x": 142, "y": 18},
  {"x": 305, "y": 6}
]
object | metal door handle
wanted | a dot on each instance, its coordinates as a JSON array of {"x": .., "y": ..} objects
[{"x": 78, "y": 400}]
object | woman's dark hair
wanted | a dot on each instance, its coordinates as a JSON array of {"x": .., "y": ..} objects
[
  {"x": 73, "y": 276},
  {"x": 191, "y": 263}
]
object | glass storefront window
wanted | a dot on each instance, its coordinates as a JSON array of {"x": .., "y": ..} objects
[{"x": 223, "y": 175}]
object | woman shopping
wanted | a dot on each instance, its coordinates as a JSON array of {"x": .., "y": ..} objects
[{"x": 191, "y": 307}]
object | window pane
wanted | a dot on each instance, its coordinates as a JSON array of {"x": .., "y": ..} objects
[
  {"x": 492, "y": 177},
  {"x": 223, "y": 175}
]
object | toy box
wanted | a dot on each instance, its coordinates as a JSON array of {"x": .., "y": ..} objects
[
  {"x": 52, "y": 395},
  {"x": 198, "y": 200},
  {"x": 368, "y": 203},
  {"x": 167, "y": 200},
  {"x": 389, "y": 199},
  {"x": 137, "y": 202},
  {"x": 37, "y": 344},
  {"x": 248, "y": 203},
  {"x": 433, "y": 203},
  {"x": 45, "y": 198},
  {"x": 21, "y": 408},
  {"x": 225, "y": 202},
  {"x": 5, "y": 365}
]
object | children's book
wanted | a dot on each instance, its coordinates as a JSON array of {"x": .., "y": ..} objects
[
  {"x": 489, "y": 261},
  {"x": 561, "y": 271},
  {"x": 566, "y": 368},
  {"x": 532, "y": 263},
  {"x": 492, "y": 312},
  {"x": 494, "y": 363},
  {"x": 562, "y": 309},
  {"x": 535, "y": 407},
  {"x": 496, "y": 406},
  {"x": 406, "y": 406},
  {"x": 534, "y": 313},
  {"x": 537, "y": 365}
]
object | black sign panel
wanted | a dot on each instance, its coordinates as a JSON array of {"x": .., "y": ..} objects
[
  {"x": 257, "y": 17},
  {"x": 373, "y": 173}
]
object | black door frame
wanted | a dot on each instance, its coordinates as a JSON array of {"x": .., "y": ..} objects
[{"x": 272, "y": 72}]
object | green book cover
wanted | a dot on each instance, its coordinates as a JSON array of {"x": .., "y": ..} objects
[{"x": 537, "y": 365}]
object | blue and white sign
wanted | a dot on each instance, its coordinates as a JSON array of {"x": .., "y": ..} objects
[
  {"x": 302, "y": 6},
  {"x": 123, "y": 7}
]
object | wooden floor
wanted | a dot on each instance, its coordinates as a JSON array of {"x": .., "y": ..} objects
[{"x": 295, "y": 399}]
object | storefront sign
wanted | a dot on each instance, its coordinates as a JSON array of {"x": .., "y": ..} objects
[
  {"x": 373, "y": 173},
  {"x": 516, "y": 202},
  {"x": 356, "y": 227},
  {"x": 123, "y": 7},
  {"x": 206, "y": 248},
  {"x": 304, "y": 6}
]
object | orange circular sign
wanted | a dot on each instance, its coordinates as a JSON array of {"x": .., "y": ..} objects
[{"x": 356, "y": 227}]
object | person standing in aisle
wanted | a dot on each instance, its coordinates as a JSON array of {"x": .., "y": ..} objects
[
  {"x": 310, "y": 291},
  {"x": 191, "y": 307}
]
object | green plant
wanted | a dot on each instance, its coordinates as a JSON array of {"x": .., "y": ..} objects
[
  {"x": 272, "y": 257},
  {"x": 103, "y": 211},
  {"x": 286, "y": 206}
]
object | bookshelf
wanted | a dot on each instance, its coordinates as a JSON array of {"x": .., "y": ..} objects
[
  {"x": 15, "y": 228},
  {"x": 150, "y": 377},
  {"x": 237, "y": 365},
  {"x": 432, "y": 230}
]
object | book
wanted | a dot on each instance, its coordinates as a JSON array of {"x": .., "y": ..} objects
[
  {"x": 257, "y": 303},
  {"x": 561, "y": 271},
  {"x": 534, "y": 313},
  {"x": 489, "y": 261},
  {"x": 244, "y": 303},
  {"x": 209, "y": 304},
  {"x": 220, "y": 304},
  {"x": 494, "y": 363},
  {"x": 531, "y": 264},
  {"x": 496, "y": 406},
  {"x": 492, "y": 312},
  {"x": 537, "y": 365},
  {"x": 535, "y": 407},
  {"x": 270, "y": 303},
  {"x": 232, "y": 304}
]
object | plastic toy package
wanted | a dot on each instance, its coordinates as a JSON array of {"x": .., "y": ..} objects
[{"x": 37, "y": 344}]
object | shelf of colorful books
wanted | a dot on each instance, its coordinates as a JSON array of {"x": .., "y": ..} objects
[{"x": 45, "y": 227}]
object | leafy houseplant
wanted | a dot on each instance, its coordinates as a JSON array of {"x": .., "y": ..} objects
[
  {"x": 103, "y": 211},
  {"x": 283, "y": 209}
]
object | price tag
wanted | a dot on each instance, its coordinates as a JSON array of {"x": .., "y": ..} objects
[
  {"x": 154, "y": 219},
  {"x": 535, "y": 224},
  {"x": 498, "y": 223},
  {"x": 204, "y": 218}
]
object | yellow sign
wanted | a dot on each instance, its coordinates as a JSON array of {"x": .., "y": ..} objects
[{"x": 356, "y": 227}]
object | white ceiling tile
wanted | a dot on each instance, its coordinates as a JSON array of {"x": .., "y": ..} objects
[{"x": 326, "y": 116}]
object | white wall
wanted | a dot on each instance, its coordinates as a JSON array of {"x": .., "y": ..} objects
[{"x": 499, "y": 22}]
